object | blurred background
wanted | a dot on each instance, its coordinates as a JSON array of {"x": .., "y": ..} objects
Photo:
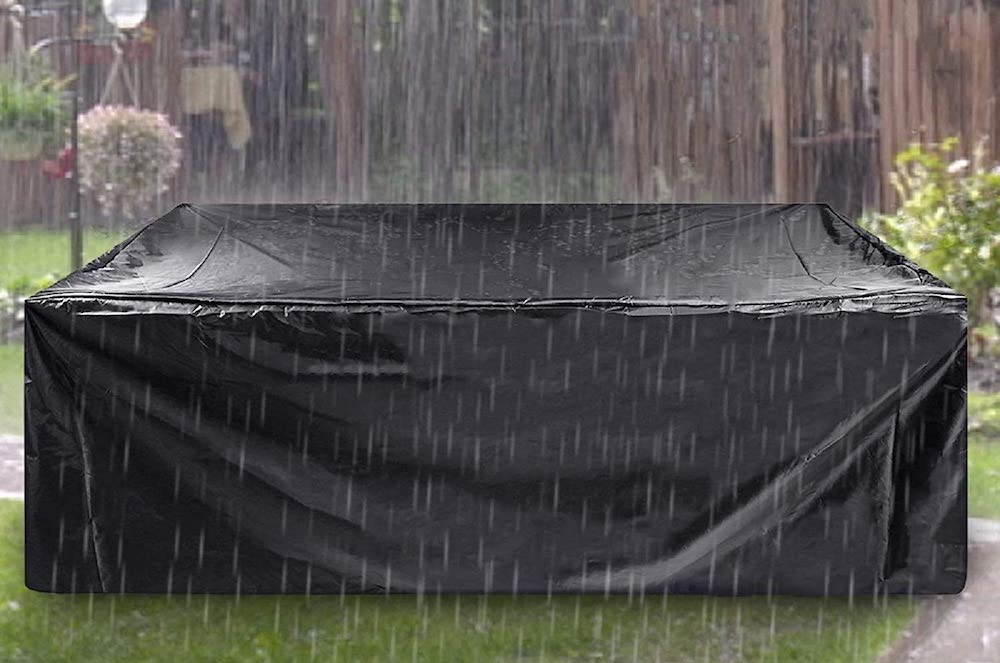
[
  {"x": 547, "y": 100},
  {"x": 112, "y": 111}
]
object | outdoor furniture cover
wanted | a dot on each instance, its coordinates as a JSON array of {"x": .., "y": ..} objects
[{"x": 724, "y": 399}]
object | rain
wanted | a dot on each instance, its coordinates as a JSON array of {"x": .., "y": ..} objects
[{"x": 636, "y": 330}]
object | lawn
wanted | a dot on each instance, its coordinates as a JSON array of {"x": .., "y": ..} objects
[
  {"x": 37, "y": 253},
  {"x": 44, "y": 627},
  {"x": 984, "y": 455}
]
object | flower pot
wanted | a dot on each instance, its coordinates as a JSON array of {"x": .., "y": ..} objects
[{"x": 19, "y": 145}]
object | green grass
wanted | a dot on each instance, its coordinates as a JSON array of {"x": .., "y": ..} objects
[
  {"x": 25, "y": 257},
  {"x": 37, "y": 253},
  {"x": 984, "y": 455},
  {"x": 50, "y": 628},
  {"x": 11, "y": 389}
]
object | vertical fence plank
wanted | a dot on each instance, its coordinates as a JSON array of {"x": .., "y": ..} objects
[
  {"x": 886, "y": 97},
  {"x": 779, "y": 98}
]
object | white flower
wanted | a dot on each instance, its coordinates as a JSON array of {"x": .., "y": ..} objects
[{"x": 958, "y": 166}]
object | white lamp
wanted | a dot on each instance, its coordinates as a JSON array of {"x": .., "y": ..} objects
[{"x": 125, "y": 14}]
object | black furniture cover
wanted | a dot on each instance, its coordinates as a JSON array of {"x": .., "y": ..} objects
[{"x": 722, "y": 399}]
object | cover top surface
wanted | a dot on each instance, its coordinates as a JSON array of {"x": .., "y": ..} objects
[{"x": 680, "y": 254}]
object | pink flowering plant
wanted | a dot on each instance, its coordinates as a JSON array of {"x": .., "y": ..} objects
[{"x": 127, "y": 157}]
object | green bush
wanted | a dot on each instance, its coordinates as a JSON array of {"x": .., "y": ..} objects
[
  {"x": 949, "y": 218},
  {"x": 27, "y": 285},
  {"x": 13, "y": 294}
]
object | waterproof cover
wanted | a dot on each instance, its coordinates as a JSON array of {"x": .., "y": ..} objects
[{"x": 723, "y": 399}]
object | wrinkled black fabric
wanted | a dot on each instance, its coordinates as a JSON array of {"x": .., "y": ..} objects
[{"x": 722, "y": 399}]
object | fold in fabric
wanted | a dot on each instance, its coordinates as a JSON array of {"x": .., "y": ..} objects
[{"x": 727, "y": 399}]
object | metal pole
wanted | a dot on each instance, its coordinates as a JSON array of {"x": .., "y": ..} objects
[{"x": 75, "y": 220}]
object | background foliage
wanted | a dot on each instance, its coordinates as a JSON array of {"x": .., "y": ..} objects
[{"x": 949, "y": 218}]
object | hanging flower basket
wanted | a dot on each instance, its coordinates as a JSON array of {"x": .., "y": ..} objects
[
  {"x": 31, "y": 117},
  {"x": 127, "y": 156},
  {"x": 19, "y": 145}
]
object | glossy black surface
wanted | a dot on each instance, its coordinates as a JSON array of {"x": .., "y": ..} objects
[{"x": 697, "y": 398}]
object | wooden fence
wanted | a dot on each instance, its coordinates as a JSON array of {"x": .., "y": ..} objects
[
  {"x": 940, "y": 70},
  {"x": 656, "y": 99}
]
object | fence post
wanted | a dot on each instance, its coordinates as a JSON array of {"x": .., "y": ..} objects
[
  {"x": 779, "y": 98},
  {"x": 886, "y": 100}
]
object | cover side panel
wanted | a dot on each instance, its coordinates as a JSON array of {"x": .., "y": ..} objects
[{"x": 277, "y": 449}]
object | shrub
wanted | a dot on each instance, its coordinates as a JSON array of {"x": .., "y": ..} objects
[
  {"x": 12, "y": 296},
  {"x": 949, "y": 218},
  {"x": 127, "y": 157}
]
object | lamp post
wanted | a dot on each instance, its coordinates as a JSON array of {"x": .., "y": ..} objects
[
  {"x": 125, "y": 15},
  {"x": 76, "y": 219},
  {"x": 71, "y": 11}
]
